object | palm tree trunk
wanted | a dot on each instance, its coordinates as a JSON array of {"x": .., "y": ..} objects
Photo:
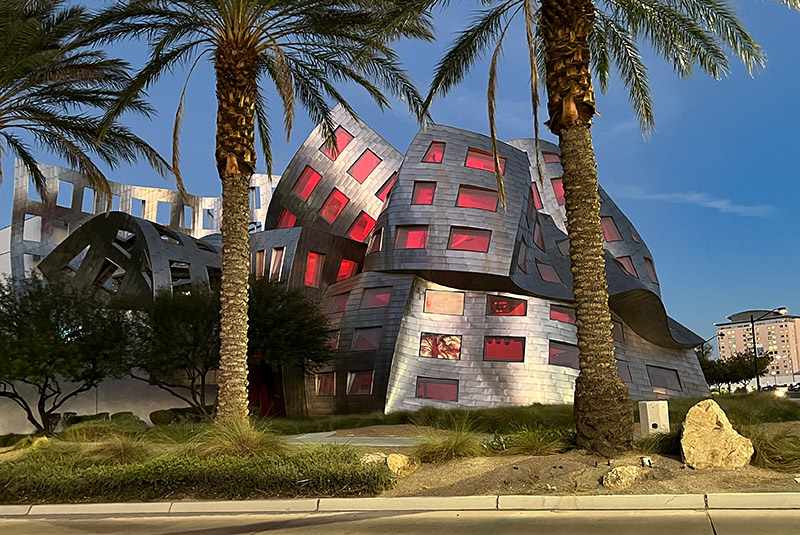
[
  {"x": 603, "y": 411},
  {"x": 235, "y": 155}
]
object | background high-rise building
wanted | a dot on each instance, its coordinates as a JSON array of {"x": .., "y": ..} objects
[{"x": 776, "y": 336}]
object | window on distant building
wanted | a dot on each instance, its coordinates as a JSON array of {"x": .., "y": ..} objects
[
  {"x": 375, "y": 241},
  {"x": 360, "y": 383},
  {"x": 361, "y": 228},
  {"x": 509, "y": 348},
  {"x": 537, "y": 199},
  {"x": 367, "y": 339},
  {"x": 664, "y": 380},
  {"x": 550, "y": 157},
  {"x": 338, "y": 303},
  {"x": 439, "y": 389},
  {"x": 469, "y": 239},
  {"x": 276, "y": 264},
  {"x": 500, "y": 305},
  {"x": 562, "y": 314},
  {"x": 478, "y": 159},
  {"x": 286, "y": 219},
  {"x": 347, "y": 268},
  {"x": 259, "y": 263},
  {"x": 376, "y": 297},
  {"x": 333, "y": 340},
  {"x": 326, "y": 383},
  {"x": 522, "y": 256},
  {"x": 333, "y": 206},
  {"x": 314, "y": 269},
  {"x": 616, "y": 331},
  {"x": 547, "y": 272},
  {"x": 624, "y": 371},
  {"x": 343, "y": 138},
  {"x": 411, "y": 237},
  {"x": 626, "y": 262},
  {"x": 610, "y": 230},
  {"x": 558, "y": 189},
  {"x": 435, "y": 152},
  {"x": 440, "y": 346},
  {"x": 364, "y": 166},
  {"x": 480, "y": 198},
  {"x": 563, "y": 355},
  {"x": 538, "y": 239},
  {"x": 306, "y": 183},
  {"x": 651, "y": 269},
  {"x": 383, "y": 193},
  {"x": 444, "y": 302},
  {"x": 423, "y": 193}
]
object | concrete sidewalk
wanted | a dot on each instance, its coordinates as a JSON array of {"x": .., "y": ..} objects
[
  {"x": 658, "y": 502},
  {"x": 326, "y": 437}
]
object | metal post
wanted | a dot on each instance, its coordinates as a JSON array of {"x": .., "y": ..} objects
[{"x": 755, "y": 352}]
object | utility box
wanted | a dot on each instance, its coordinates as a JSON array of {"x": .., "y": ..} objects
[{"x": 654, "y": 417}]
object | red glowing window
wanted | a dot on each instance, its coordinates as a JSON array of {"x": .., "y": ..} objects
[
  {"x": 364, "y": 166},
  {"x": 623, "y": 371},
  {"x": 522, "y": 256},
  {"x": 376, "y": 297},
  {"x": 314, "y": 269},
  {"x": 412, "y": 237},
  {"x": 616, "y": 331},
  {"x": 482, "y": 199},
  {"x": 440, "y": 346},
  {"x": 338, "y": 303},
  {"x": 333, "y": 340},
  {"x": 306, "y": 183},
  {"x": 551, "y": 157},
  {"x": 387, "y": 187},
  {"x": 286, "y": 219},
  {"x": 478, "y": 159},
  {"x": 333, "y": 206},
  {"x": 326, "y": 383},
  {"x": 469, "y": 239},
  {"x": 610, "y": 230},
  {"x": 663, "y": 379},
  {"x": 562, "y": 314},
  {"x": 343, "y": 138},
  {"x": 423, "y": 193},
  {"x": 547, "y": 272},
  {"x": 362, "y": 227},
  {"x": 367, "y": 339},
  {"x": 509, "y": 348},
  {"x": 375, "y": 241},
  {"x": 626, "y": 262},
  {"x": 558, "y": 189},
  {"x": 563, "y": 355},
  {"x": 538, "y": 239},
  {"x": 537, "y": 199},
  {"x": 440, "y": 389},
  {"x": 444, "y": 302},
  {"x": 435, "y": 153},
  {"x": 651, "y": 269},
  {"x": 498, "y": 305},
  {"x": 347, "y": 269},
  {"x": 360, "y": 383}
]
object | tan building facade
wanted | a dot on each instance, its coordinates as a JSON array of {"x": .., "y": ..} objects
[{"x": 777, "y": 335}]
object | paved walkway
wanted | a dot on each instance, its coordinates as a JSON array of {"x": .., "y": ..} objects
[{"x": 326, "y": 437}]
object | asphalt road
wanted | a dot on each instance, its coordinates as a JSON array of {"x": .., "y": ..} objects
[{"x": 717, "y": 522}]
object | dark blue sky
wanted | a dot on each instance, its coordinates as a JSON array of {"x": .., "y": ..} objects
[{"x": 713, "y": 191}]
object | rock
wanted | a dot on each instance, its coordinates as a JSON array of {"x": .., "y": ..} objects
[
  {"x": 708, "y": 439},
  {"x": 401, "y": 465},
  {"x": 623, "y": 477},
  {"x": 373, "y": 458}
]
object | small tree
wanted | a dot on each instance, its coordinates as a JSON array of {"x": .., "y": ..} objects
[
  {"x": 180, "y": 346},
  {"x": 58, "y": 342},
  {"x": 740, "y": 367},
  {"x": 715, "y": 372}
]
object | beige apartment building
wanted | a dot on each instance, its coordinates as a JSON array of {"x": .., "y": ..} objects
[{"x": 777, "y": 335}]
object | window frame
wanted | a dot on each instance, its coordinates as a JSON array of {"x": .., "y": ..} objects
[
  {"x": 434, "y": 291},
  {"x": 486, "y": 339}
]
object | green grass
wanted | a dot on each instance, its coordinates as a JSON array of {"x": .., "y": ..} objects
[
  {"x": 437, "y": 447},
  {"x": 238, "y": 439},
  {"x": 660, "y": 443},
  {"x": 773, "y": 449},
  {"x": 99, "y": 430},
  {"x": 747, "y": 409},
  {"x": 540, "y": 440}
]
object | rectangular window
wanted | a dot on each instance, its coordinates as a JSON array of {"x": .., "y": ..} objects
[
  {"x": 276, "y": 264},
  {"x": 326, "y": 383},
  {"x": 306, "y": 183},
  {"x": 376, "y": 297},
  {"x": 439, "y": 389},
  {"x": 186, "y": 217},
  {"x": 338, "y": 303},
  {"x": 333, "y": 340},
  {"x": 360, "y": 383},
  {"x": 314, "y": 269},
  {"x": 562, "y": 314},
  {"x": 616, "y": 331},
  {"x": 163, "y": 210},
  {"x": 361, "y": 227},
  {"x": 259, "y": 265},
  {"x": 478, "y": 159},
  {"x": 480, "y": 198},
  {"x": 343, "y": 138},
  {"x": 435, "y": 152},
  {"x": 347, "y": 268},
  {"x": 286, "y": 219},
  {"x": 367, "y": 339},
  {"x": 500, "y": 305},
  {"x": 551, "y": 157},
  {"x": 538, "y": 239},
  {"x": 547, "y": 272},
  {"x": 623, "y": 371},
  {"x": 508, "y": 348},
  {"x": 522, "y": 256},
  {"x": 444, "y": 302},
  {"x": 383, "y": 193},
  {"x": 610, "y": 230},
  {"x": 87, "y": 206},
  {"x": 333, "y": 206},
  {"x": 32, "y": 228},
  {"x": 375, "y": 241},
  {"x": 137, "y": 208},
  {"x": 440, "y": 346},
  {"x": 537, "y": 199},
  {"x": 115, "y": 204},
  {"x": 558, "y": 189},
  {"x": 664, "y": 380},
  {"x": 208, "y": 219},
  {"x": 64, "y": 196},
  {"x": 626, "y": 263},
  {"x": 469, "y": 239},
  {"x": 364, "y": 166},
  {"x": 651, "y": 269},
  {"x": 563, "y": 355},
  {"x": 412, "y": 237},
  {"x": 423, "y": 192},
  {"x": 255, "y": 198}
]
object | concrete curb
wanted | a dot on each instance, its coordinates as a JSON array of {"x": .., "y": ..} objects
[{"x": 752, "y": 501}]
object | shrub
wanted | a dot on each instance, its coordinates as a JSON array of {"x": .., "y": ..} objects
[
  {"x": 661, "y": 443},
  {"x": 773, "y": 449},
  {"x": 179, "y": 416},
  {"x": 120, "y": 449},
  {"x": 176, "y": 433},
  {"x": 238, "y": 438},
  {"x": 539, "y": 440},
  {"x": 99, "y": 430},
  {"x": 436, "y": 448}
]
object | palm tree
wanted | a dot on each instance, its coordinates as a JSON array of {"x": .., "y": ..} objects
[
  {"x": 49, "y": 74},
  {"x": 568, "y": 41},
  {"x": 302, "y": 48}
]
